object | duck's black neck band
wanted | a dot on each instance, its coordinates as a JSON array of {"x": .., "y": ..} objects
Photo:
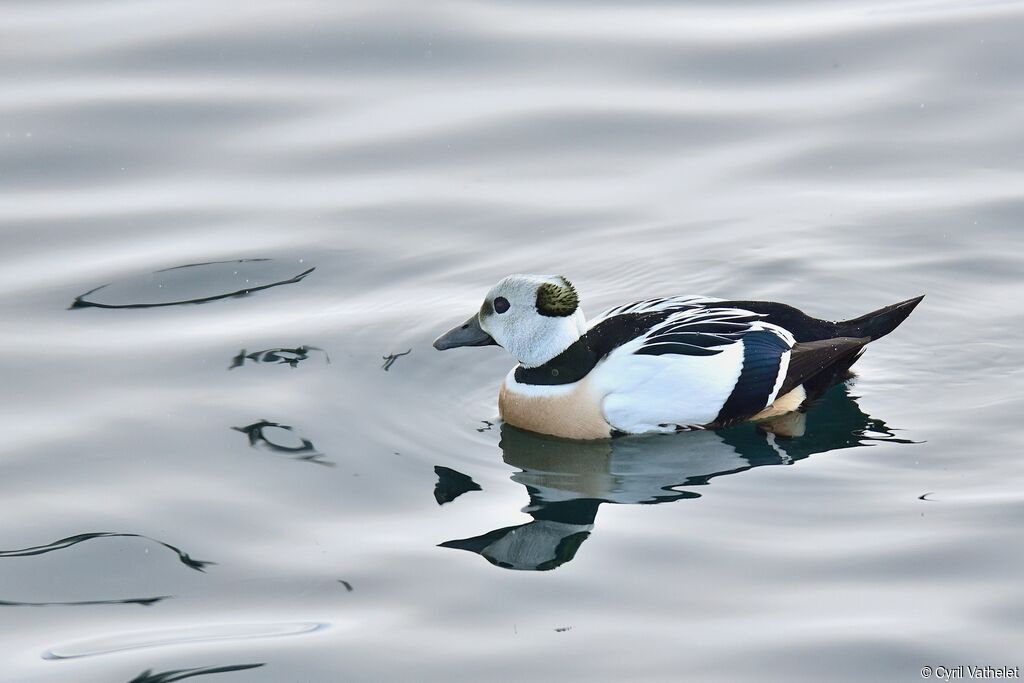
[
  {"x": 575, "y": 362},
  {"x": 569, "y": 366}
]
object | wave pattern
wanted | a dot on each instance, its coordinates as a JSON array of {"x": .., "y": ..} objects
[
  {"x": 65, "y": 543},
  {"x": 835, "y": 156}
]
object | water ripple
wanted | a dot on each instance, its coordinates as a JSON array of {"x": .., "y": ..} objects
[
  {"x": 148, "y": 676},
  {"x": 835, "y": 156},
  {"x": 145, "y": 602},
  {"x": 64, "y": 543},
  {"x": 168, "y": 287},
  {"x": 137, "y": 640}
]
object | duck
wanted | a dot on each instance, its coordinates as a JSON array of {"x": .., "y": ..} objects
[{"x": 660, "y": 365}]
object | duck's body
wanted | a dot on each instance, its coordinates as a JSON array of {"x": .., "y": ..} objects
[{"x": 659, "y": 365}]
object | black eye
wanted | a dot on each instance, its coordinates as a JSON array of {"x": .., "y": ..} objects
[{"x": 501, "y": 304}]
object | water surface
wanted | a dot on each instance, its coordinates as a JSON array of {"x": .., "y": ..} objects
[{"x": 227, "y": 483}]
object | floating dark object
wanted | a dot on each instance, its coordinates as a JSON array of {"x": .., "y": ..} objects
[
  {"x": 346, "y": 584},
  {"x": 195, "y": 283},
  {"x": 257, "y": 433},
  {"x": 390, "y": 359},
  {"x": 563, "y": 629},
  {"x": 924, "y": 496},
  {"x": 148, "y": 676},
  {"x": 185, "y": 558},
  {"x": 451, "y": 484},
  {"x": 487, "y": 426},
  {"x": 145, "y": 602},
  {"x": 279, "y": 356}
]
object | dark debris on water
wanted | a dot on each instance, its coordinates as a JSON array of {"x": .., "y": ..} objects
[
  {"x": 306, "y": 451},
  {"x": 277, "y": 356},
  {"x": 390, "y": 359}
]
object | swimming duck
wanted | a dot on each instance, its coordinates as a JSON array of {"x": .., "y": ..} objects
[{"x": 658, "y": 365}]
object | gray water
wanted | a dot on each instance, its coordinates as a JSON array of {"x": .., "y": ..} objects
[{"x": 178, "y": 495}]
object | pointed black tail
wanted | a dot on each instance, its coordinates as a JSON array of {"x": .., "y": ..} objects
[{"x": 878, "y": 323}]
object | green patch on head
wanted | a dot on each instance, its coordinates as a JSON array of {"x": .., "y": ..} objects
[{"x": 557, "y": 300}]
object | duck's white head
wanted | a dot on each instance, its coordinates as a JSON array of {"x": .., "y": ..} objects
[{"x": 534, "y": 317}]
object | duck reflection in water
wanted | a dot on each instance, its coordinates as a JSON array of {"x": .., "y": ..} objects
[{"x": 569, "y": 480}]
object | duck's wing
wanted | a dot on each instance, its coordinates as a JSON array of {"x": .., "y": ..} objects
[
  {"x": 659, "y": 305},
  {"x": 699, "y": 365},
  {"x": 682, "y": 362}
]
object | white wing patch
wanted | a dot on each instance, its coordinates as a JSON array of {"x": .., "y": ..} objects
[
  {"x": 681, "y": 372},
  {"x": 645, "y": 393},
  {"x": 650, "y": 305},
  {"x": 698, "y": 331}
]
